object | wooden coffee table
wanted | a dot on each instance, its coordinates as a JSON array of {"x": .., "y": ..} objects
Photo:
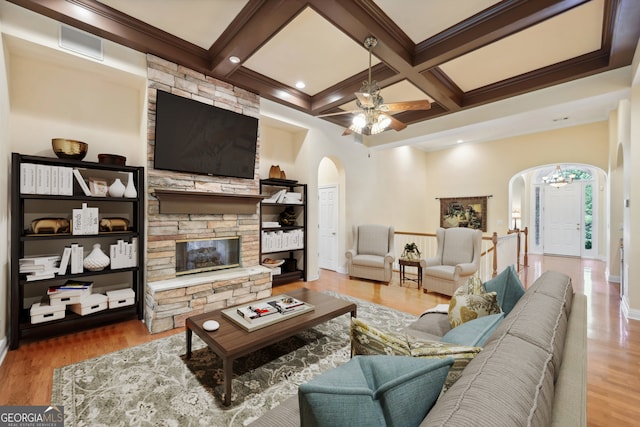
[{"x": 232, "y": 341}]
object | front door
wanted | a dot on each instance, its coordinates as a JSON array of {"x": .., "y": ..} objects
[{"x": 563, "y": 209}]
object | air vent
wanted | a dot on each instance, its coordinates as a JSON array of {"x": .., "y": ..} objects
[{"x": 80, "y": 42}]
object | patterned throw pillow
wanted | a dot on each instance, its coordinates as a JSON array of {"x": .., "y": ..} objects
[
  {"x": 465, "y": 307},
  {"x": 367, "y": 340},
  {"x": 473, "y": 286}
]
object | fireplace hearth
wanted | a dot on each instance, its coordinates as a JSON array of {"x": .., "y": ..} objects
[{"x": 198, "y": 255}]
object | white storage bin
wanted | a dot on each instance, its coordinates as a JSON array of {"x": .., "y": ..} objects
[
  {"x": 91, "y": 304},
  {"x": 121, "y": 297},
  {"x": 45, "y": 313}
]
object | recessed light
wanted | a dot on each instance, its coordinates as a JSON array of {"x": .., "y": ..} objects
[
  {"x": 234, "y": 59},
  {"x": 460, "y": 141},
  {"x": 300, "y": 85}
]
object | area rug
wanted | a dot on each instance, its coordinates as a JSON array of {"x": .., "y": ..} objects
[{"x": 154, "y": 385}]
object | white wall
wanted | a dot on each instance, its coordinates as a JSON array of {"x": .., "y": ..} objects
[{"x": 5, "y": 162}]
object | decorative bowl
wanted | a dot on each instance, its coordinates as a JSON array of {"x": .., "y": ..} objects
[
  {"x": 112, "y": 159},
  {"x": 69, "y": 148}
]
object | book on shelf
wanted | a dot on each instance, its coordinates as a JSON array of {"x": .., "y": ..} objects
[
  {"x": 71, "y": 288},
  {"x": 32, "y": 277},
  {"x": 43, "y": 179},
  {"x": 27, "y": 178},
  {"x": 64, "y": 261},
  {"x": 81, "y": 182},
  {"x": 77, "y": 258}
]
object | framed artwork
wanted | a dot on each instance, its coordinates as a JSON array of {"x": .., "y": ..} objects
[
  {"x": 98, "y": 187},
  {"x": 469, "y": 212}
]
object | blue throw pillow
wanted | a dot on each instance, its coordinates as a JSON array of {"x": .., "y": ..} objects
[
  {"x": 474, "y": 332},
  {"x": 508, "y": 287},
  {"x": 373, "y": 391}
]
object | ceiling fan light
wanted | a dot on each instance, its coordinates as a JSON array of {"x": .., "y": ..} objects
[{"x": 360, "y": 121}]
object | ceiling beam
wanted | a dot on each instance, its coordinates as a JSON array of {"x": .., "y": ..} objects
[{"x": 256, "y": 24}]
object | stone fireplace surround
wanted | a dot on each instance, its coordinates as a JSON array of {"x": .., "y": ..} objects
[{"x": 170, "y": 299}]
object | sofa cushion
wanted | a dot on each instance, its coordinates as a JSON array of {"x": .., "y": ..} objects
[
  {"x": 369, "y": 260},
  {"x": 373, "y": 391},
  {"x": 475, "y": 332},
  {"x": 466, "y": 307},
  {"x": 508, "y": 287},
  {"x": 431, "y": 326},
  {"x": 510, "y": 383}
]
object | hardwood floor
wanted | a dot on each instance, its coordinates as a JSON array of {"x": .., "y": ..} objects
[{"x": 613, "y": 342}]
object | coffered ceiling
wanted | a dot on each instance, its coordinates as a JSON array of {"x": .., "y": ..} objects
[{"x": 459, "y": 54}]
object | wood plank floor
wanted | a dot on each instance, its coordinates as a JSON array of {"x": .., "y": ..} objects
[{"x": 613, "y": 342}]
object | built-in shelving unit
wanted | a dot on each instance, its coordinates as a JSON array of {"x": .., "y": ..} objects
[
  {"x": 292, "y": 250},
  {"x": 26, "y": 243}
]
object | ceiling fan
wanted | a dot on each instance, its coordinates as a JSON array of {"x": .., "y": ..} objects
[{"x": 372, "y": 116}]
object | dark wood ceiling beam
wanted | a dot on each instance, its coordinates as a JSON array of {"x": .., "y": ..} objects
[
  {"x": 582, "y": 66},
  {"x": 503, "y": 19},
  {"x": 96, "y": 18},
  {"x": 623, "y": 16},
  {"x": 270, "y": 89},
  {"x": 361, "y": 18},
  {"x": 256, "y": 24}
]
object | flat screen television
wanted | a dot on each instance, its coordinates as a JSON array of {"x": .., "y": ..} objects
[{"x": 198, "y": 138}]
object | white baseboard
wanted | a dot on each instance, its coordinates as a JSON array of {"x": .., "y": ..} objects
[
  {"x": 4, "y": 347},
  {"x": 627, "y": 312}
]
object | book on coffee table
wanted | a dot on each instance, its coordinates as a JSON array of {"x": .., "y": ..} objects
[{"x": 268, "y": 311}]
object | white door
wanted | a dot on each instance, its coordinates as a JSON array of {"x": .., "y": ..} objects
[
  {"x": 563, "y": 220},
  {"x": 328, "y": 227}
]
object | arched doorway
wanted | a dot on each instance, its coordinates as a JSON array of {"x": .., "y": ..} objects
[{"x": 562, "y": 219}]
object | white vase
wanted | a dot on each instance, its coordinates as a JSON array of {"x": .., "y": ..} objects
[
  {"x": 130, "y": 191},
  {"x": 117, "y": 188},
  {"x": 96, "y": 260}
]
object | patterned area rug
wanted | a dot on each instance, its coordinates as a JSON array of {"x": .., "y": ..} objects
[{"x": 154, "y": 385}]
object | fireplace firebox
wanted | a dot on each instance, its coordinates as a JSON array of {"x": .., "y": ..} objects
[{"x": 194, "y": 256}]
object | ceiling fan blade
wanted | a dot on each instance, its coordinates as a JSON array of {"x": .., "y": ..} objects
[
  {"x": 396, "y": 124},
  {"x": 366, "y": 100},
  {"x": 408, "y": 105},
  {"x": 336, "y": 114}
]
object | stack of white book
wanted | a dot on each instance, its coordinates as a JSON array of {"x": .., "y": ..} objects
[
  {"x": 270, "y": 224},
  {"x": 282, "y": 240},
  {"x": 123, "y": 254},
  {"x": 45, "y": 179},
  {"x": 39, "y": 267}
]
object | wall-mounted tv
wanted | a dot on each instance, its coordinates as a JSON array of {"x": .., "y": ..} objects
[{"x": 198, "y": 138}]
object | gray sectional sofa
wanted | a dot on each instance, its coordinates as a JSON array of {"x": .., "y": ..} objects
[{"x": 531, "y": 371}]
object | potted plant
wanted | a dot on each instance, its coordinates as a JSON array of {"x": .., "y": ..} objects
[{"x": 411, "y": 251}]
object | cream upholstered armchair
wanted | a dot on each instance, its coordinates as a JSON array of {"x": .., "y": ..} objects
[
  {"x": 372, "y": 254},
  {"x": 457, "y": 258}
]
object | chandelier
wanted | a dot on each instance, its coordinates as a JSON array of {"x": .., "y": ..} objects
[{"x": 558, "y": 178}]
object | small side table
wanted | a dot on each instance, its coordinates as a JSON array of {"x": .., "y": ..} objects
[{"x": 411, "y": 263}]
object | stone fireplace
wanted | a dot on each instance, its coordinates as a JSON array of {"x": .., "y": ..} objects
[{"x": 184, "y": 208}]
